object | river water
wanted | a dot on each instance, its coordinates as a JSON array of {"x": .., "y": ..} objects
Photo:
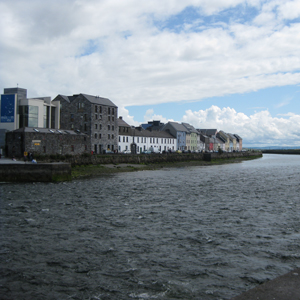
[{"x": 207, "y": 232}]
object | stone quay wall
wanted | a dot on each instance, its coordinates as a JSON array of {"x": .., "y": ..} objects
[
  {"x": 35, "y": 172},
  {"x": 149, "y": 158}
]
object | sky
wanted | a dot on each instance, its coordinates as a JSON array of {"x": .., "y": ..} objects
[{"x": 232, "y": 65}]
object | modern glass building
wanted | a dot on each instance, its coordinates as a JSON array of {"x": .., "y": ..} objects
[{"x": 18, "y": 111}]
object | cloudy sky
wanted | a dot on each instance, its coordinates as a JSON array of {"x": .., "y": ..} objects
[{"x": 233, "y": 65}]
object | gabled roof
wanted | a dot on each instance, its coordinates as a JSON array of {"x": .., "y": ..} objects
[
  {"x": 231, "y": 136},
  {"x": 122, "y": 123},
  {"x": 99, "y": 100},
  {"x": 190, "y": 128},
  {"x": 208, "y": 132},
  {"x": 238, "y": 137},
  {"x": 176, "y": 126},
  {"x": 90, "y": 98}
]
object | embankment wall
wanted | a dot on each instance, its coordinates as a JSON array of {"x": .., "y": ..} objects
[
  {"x": 151, "y": 158},
  {"x": 35, "y": 172}
]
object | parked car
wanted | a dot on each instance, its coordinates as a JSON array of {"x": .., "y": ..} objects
[
  {"x": 126, "y": 152},
  {"x": 146, "y": 152}
]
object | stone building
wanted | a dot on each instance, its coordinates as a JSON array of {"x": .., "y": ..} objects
[
  {"x": 46, "y": 141},
  {"x": 92, "y": 115}
]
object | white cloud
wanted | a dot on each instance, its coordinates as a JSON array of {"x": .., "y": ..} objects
[
  {"x": 114, "y": 48},
  {"x": 257, "y": 129}
]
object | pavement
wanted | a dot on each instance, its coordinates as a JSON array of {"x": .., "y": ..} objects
[
  {"x": 285, "y": 287},
  {"x": 4, "y": 160}
]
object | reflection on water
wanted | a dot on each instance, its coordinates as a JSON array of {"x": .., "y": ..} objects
[{"x": 180, "y": 233}]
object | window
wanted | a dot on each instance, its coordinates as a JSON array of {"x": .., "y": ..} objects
[
  {"x": 127, "y": 139},
  {"x": 96, "y": 116},
  {"x": 100, "y": 109},
  {"x": 113, "y": 118},
  {"x": 85, "y": 147},
  {"x": 108, "y": 118},
  {"x": 96, "y": 108},
  {"x": 85, "y": 127},
  {"x": 119, "y": 139},
  {"x": 72, "y": 148},
  {"x": 100, "y": 117},
  {"x": 108, "y": 136},
  {"x": 112, "y": 136},
  {"x": 108, "y": 127},
  {"x": 96, "y": 126},
  {"x": 100, "y": 135},
  {"x": 162, "y": 141},
  {"x": 108, "y": 111},
  {"x": 72, "y": 117},
  {"x": 124, "y": 139},
  {"x": 138, "y": 139},
  {"x": 113, "y": 127},
  {"x": 112, "y": 111},
  {"x": 96, "y": 135}
]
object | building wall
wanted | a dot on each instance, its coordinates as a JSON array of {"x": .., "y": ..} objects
[
  {"x": 16, "y": 110},
  {"x": 146, "y": 142},
  {"x": 46, "y": 143},
  {"x": 96, "y": 120}
]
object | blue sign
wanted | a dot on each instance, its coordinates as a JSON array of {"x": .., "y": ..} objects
[{"x": 7, "y": 108}]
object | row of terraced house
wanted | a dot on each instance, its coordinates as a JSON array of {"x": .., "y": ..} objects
[{"x": 83, "y": 123}]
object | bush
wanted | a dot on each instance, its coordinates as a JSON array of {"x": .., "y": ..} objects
[{"x": 220, "y": 151}]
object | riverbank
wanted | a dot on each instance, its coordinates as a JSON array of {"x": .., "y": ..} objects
[
  {"x": 86, "y": 171},
  {"x": 49, "y": 169}
]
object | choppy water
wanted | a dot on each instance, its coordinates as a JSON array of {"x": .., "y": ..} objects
[{"x": 182, "y": 233}]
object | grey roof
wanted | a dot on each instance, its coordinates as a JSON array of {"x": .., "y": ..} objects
[
  {"x": 122, "y": 123},
  {"x": 237, "y": 137},
  {"x": 146, "y": 133},
  {"x": 90, "y": 98},
  {"x": 99, "y": 100},
  {"x": 231, "y": 136},
  {"x": 48, "y": 131},
  {"x": 190, "y": 128},
  {"x": 177, "y": 126},
  {"x": 208, "y": 131}
]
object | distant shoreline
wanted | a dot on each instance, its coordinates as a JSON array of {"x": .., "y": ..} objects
[{"x": 278, "y": 151}]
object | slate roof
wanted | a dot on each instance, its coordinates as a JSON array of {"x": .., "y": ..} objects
[
  {"x": 238, "y": 137},
  {"x": 47, "y": 130},
  {"x": 122, "y": 123},
  {"x": 177, "y": 126},
  {"x": 231, "y": 136},
  {"x": 90, "y": 98},
  {"x": 208, "y": 132},
  {"x": 190, "y": 128}
]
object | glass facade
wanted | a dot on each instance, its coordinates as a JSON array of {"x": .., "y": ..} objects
[{"x": 28, "y": 116}]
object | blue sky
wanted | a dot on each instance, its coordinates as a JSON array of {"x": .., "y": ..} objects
[
  {"x": 279, "y": 101},
  {"x": 226, "y": 64}
]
